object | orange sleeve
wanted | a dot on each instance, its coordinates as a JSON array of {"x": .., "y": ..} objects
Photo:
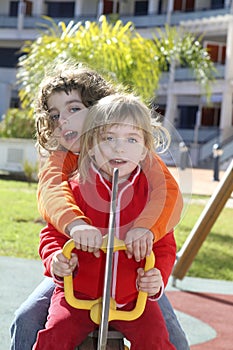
[
  {"x": 56, "y": 203},
  {"x": 163, "y": 211}
]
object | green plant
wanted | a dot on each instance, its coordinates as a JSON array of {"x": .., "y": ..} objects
[
  {"x": 116, "y": 50},
  {"x": 30, "y": 171},
  {"x": 185, "y": 50},
  {"x": 17, "y": 124},
  {"x": 113, "y": 17}
]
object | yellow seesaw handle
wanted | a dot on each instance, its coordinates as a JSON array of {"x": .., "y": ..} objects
[{"x": 95, "y": 305}]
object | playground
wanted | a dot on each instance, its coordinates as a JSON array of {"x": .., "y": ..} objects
[{"x": 204, "y": 307}]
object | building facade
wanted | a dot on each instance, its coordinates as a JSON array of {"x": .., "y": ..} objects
[{"x": 201, "y": 125}]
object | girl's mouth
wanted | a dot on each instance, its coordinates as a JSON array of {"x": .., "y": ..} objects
[
  {"x": 117, "y": 162},
  {"x": 69, "y": 135}
]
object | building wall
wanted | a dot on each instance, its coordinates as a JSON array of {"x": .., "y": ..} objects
[
  {"x": 15, "y": 152},
  {"x": 4, "y": 7},
  {"x": 202, "y": 4}
]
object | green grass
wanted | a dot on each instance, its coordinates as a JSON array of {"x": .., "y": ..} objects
[
  {"x": 18, "y": 220},
  {"x": 20, "y": 224},
  {"x": 215, "y": 257}
]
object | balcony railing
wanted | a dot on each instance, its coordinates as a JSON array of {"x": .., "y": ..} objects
[
  {"x": 152, "y": 20},
  {"x": 186, "y": 74}
]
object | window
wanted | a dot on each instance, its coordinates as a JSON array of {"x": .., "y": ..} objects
[
  {"x": 187, "y": 117},
  {"x": 108, "y": 7},
  {"x": 217, "y": 4},
  {"x": 60, "y": 9},
  {"x": 9, "y": 57},
  {"x": 14, "y": 8},
  {"x": 210, "y": 116},
  {"x": 217, "y": 52},
  {"x": 141, "y": 8},
  {"x": 183, "y": 5},
  {"x": 177, "y": 5}
]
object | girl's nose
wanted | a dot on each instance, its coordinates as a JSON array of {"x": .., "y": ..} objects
[
  {"x": 119, "y": 145},
  {"x": 63, "y": 118},
  {"x": 62, "y": 121}
]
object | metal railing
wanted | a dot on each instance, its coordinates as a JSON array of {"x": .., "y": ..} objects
[{"x": 145, "y": 21}]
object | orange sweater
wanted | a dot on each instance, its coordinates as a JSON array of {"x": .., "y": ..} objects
[{"x": 57, "y": 205}]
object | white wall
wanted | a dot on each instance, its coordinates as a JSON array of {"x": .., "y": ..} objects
[
  {"x": 86, "y": 7},
  {"x": 4, "y": 7},
  {"x": 202, "y": 4},
  {"x": 14, "y": 152}
]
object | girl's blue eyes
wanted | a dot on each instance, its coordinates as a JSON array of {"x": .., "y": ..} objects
[
  {"x": 69, "y": 111},
  {"x": 75, "y": 109},
  {"x": 112, "y": 139},
  {"x": 132, "y": 140}
]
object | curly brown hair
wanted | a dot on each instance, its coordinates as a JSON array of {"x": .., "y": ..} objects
[{"x": 90, "y": 85}]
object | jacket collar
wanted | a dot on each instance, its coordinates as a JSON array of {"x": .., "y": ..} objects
[{"x": 130, "y": 181}]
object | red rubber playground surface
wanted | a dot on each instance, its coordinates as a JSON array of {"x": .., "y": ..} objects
[
  {"x": 214, "y": 309},
  {"x": 207, "y": 312}
]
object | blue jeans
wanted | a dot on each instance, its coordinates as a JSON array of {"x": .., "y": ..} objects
[
  {"x": 32, "y": 314},
  {"x": 176, "y": 334}
]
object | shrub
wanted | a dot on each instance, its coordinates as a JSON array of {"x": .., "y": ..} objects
[
  {"x": 30, "y": 171},
  {"x": 17, "y": 124}
]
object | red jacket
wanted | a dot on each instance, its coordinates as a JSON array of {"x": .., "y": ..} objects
[
  {"x": 93, "y": 198},
  {"x": 58, "y": 206}
]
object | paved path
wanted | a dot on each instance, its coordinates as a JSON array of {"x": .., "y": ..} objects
[
  {"x": 196, "y": 181},
  {"x": 18, "y": 278}
]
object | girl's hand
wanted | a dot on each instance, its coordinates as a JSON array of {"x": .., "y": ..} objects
[
  {"x": 149, "y": 281},
  {"x": 139, "y": 243},
  {"x": 87, "y": 238},
  {"x": 61, "y": 266}
]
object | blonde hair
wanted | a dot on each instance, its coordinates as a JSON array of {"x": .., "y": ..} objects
[{"x": 115, "y": 109}]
